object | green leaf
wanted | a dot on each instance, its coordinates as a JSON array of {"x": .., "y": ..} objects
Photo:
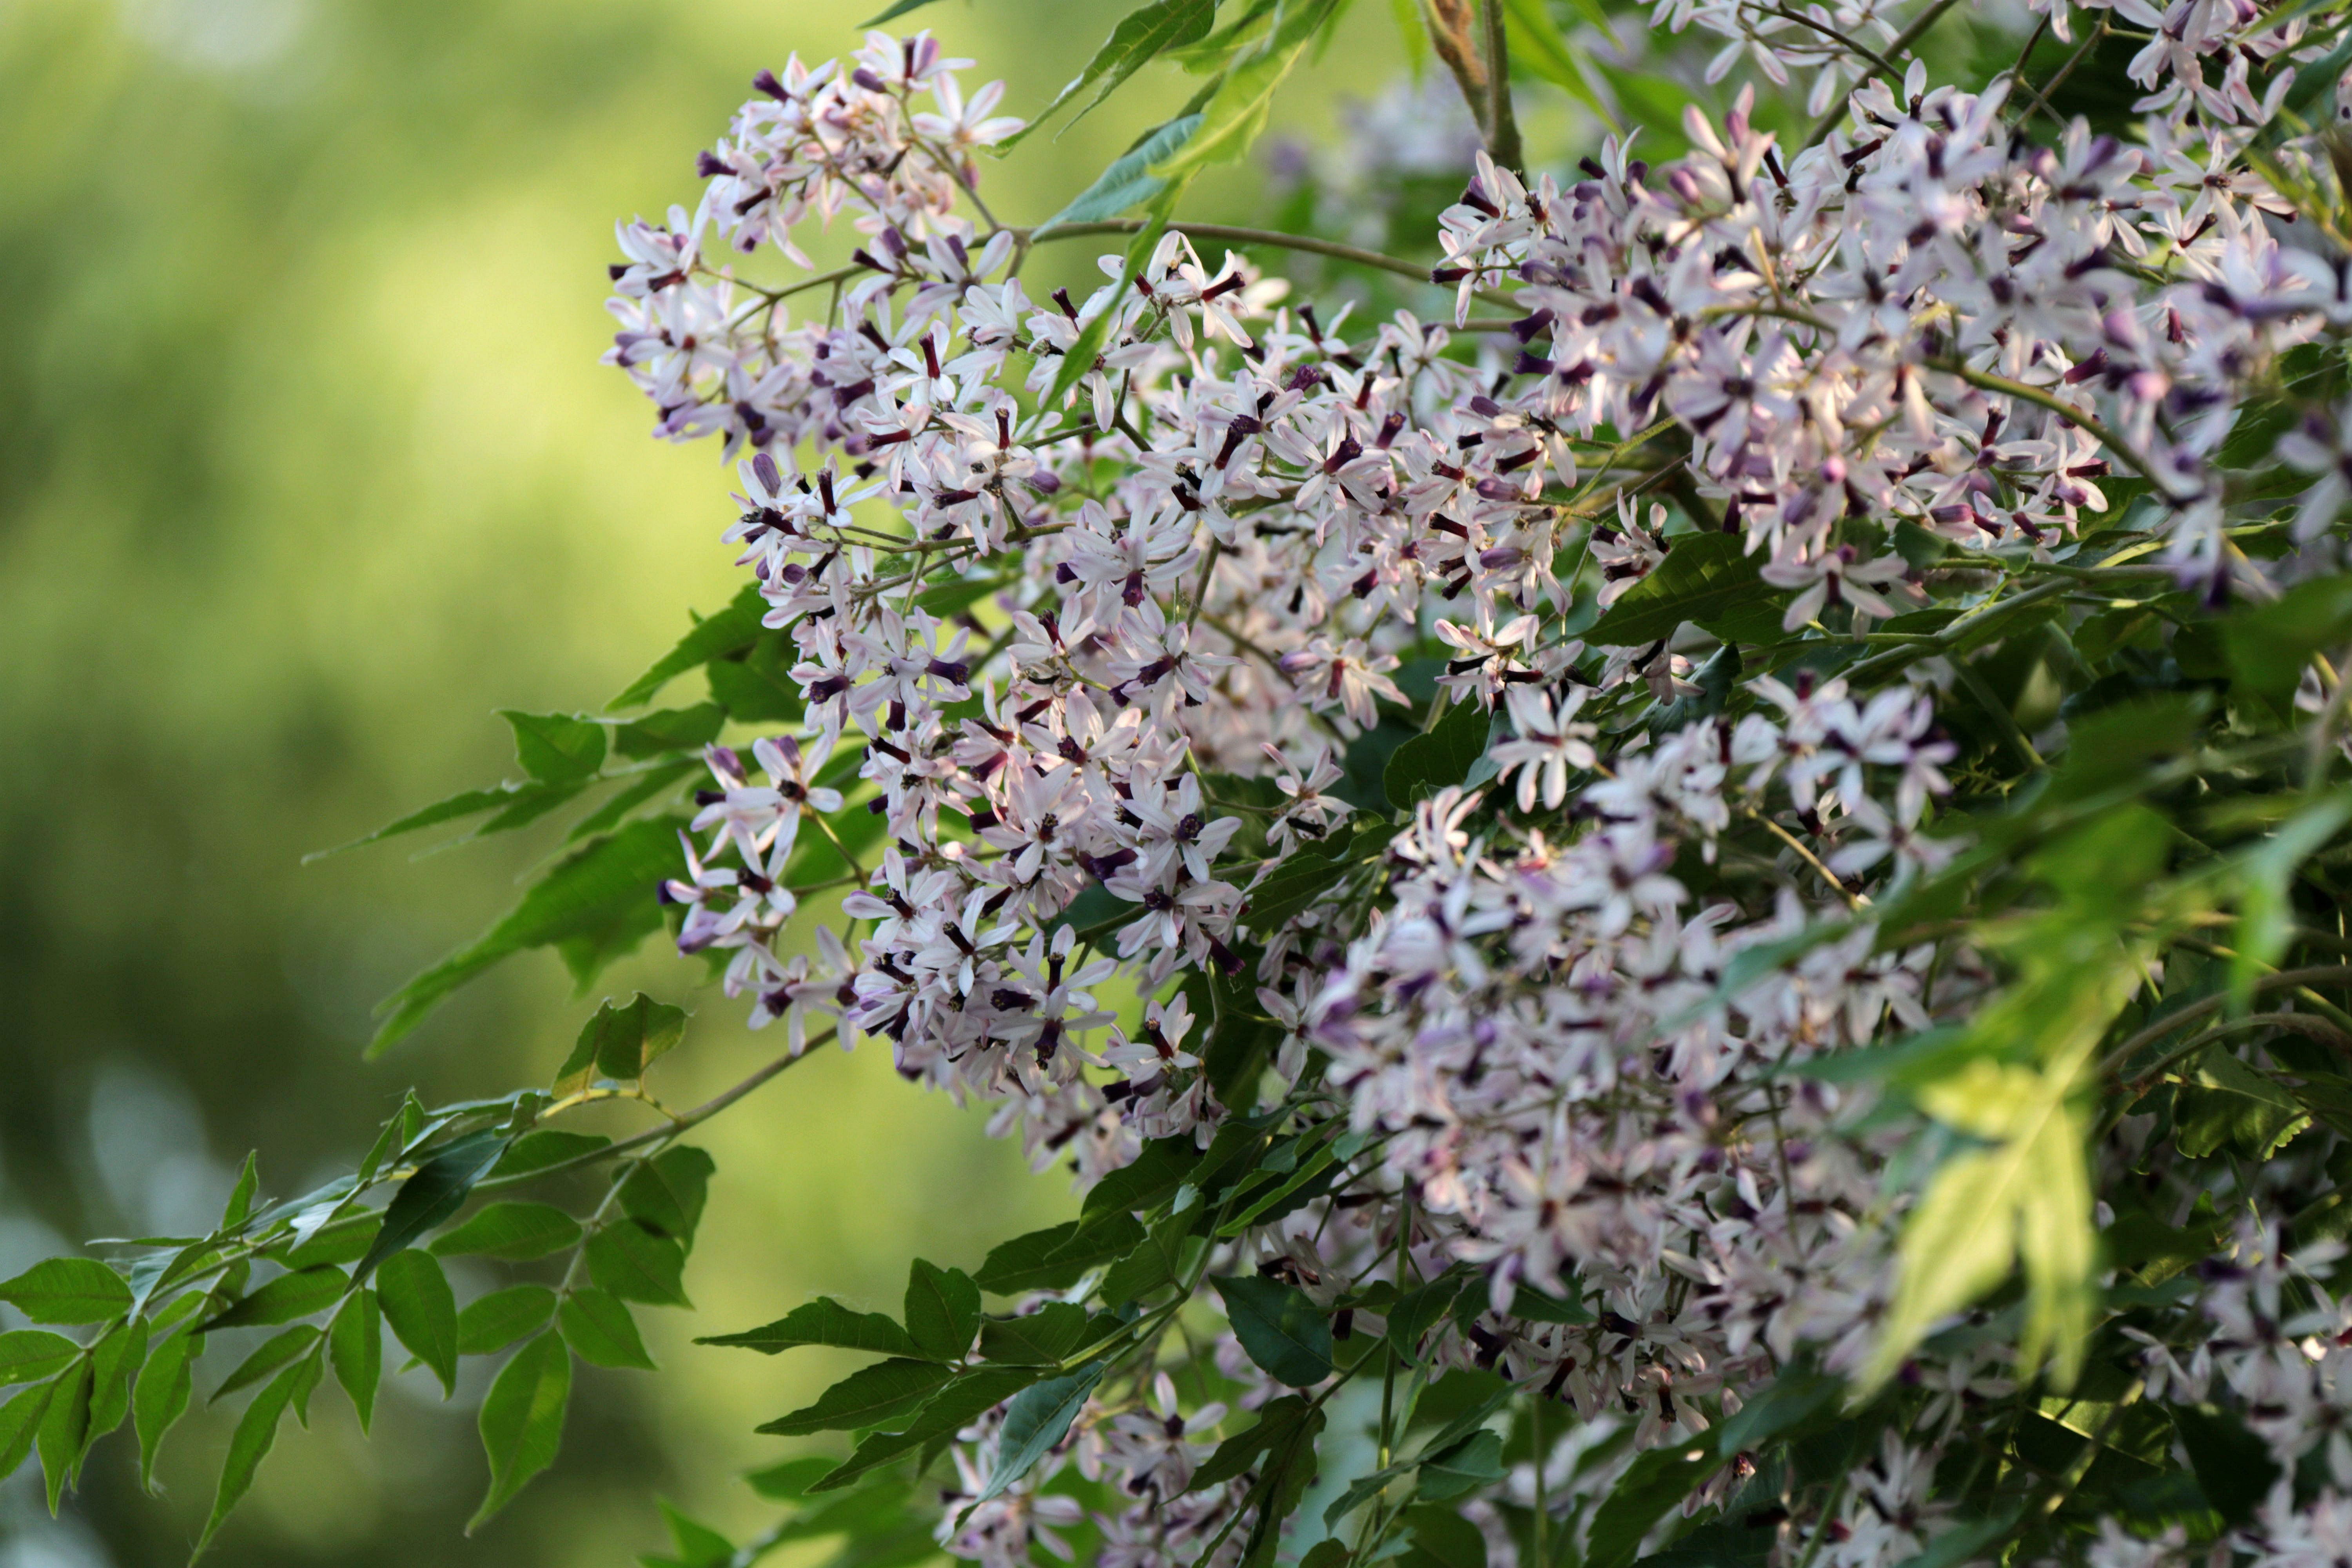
[
  {"x": 115, "y": 1359},
  {"x": 1799, "y": 1398},
  {"x": 1536, "y": 43},
  {"x": 1704, "y": 575},
  {"x": 891, "y": 13},
  {"x": 667, "y": 1193},
  {"x": 491, "y": 1323},
  {"x": 1038, "y": 1417},
  {"x": 1150, "y": 1179},
  {"x": 826, "y": 1321},
  {"x": 547, "y": 1146},
  {"x": 522, "y": 1421},
  {"x": 1128, "y": 182},
  {"x": 596, "y": 1324},
  {"x": 2265, "y": 908},
  {"x": 556, "y": 748},
  {"x": 1654, "y": 1484},
  {"x": 865, "y": 1397},
  {"x": 602, "y": 900},
  {"x": 942, "y": 1310},
  {"x": 514, "y": 803},
  {"x": 1052, "y": 1259},
  {"x": 416, "y": 1300},
  {"x": 28, "y": 1355},
  {"x": 65, "y": 1430},
  {"x": 2234, "y": 1466},
  {"x": 257, "y": 1430},
  {"x": 1295, "y": 885},
  {"x": 732, "y": 630},
  {"x": 20, "y": 1422},
  {"x": 621, "y": 1042},
  {"x": 1237, "y": 110},
  {"x": 2227, "y": 1103},
  {"x": 1444, "y": 756},
  {"x": 670, "y": 730},
  {"x": 934, "y": 1424},
  {"x": 273, "y": 1354},
  {"x": 1087, "y": 348},
  {"x": 1473, "y": 1462},
  {"x": 636, "y": 1264},
  {"x": 1278, "y": 1422},
  {"x": 1284, "y": 1332},
  {"x": 1442, "y": 1538},
  {"x": 436, "y": 1191},
  {"x": 240, "y": 1197},
  {"x": 283, "y": 1300},
  {"x": 2269, "y": 644},
  {"x": 1142, "y": 34},
  {"x": 355, "y": 1346},
  {"x": 514, "y": 1231},
  {"x": 1420, "y": 1310},
  {"x": 159, "y": 1399},
  {"x": 1042, "y": 1338},
  {"x": 68, "y": 1290}
]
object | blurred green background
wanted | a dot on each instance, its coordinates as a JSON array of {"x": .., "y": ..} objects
[{"x": 306, "y": 465}]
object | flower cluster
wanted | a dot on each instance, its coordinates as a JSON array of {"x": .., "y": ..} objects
[{"x": 1105, "y": 648}]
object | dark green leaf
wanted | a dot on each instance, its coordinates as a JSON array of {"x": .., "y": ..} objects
[
  {"x": 1446, "y": 755},
  {"x": 1052, "y": 1259},
  {"x": 1475, "y": 1461},
  {"x": 274, "y": 1353},
  {"x": 506, "y": 799},
  {"x": 1420, "y": 1310},
  {"x": 490, "y": 1325},
  {"x": 596, "y": 1324},
  {"x": 523, "y": 1420},
  {"x": 1042, "y": 1338},
  {"x": 933, "y": 1423},
  {"x": 1703, "y": 575},
  {"x": 636, "y": 1264},
  {"x": 1655, "y": 1483},
  {"x": 1152, "y": 1178},
  {"x": 416, "y": 1300},
  {"x": 160, "y": 1397},
  {"x": 826, "y": 1321},
  {"x": 2226, "y": 1102},
  {"x": 1799, "y": 1398},
  {"x": 602, "y": 900},
  {"x": 620, "y": 1041},
  {"x": 2234, "y": 1466},
  {"x": 437, "y": 1190},
  {"x": 667, "y": 1193},
  {"x": 864, "y": 1398},
  {"x": 1284, "y": 1332},
  {"x": 283, "y": 1300},
  {"x": 68, "y": 1290},
  {"x": 28, "y": 1355},
  {"x": 1964, "y": 1542},
  {"x": 1277, "y": 1423},
  {"x": 1038, "y": 1417},
  {"x": 355, "y": 1346},
  {"x": 1442, "y": 1539},
  {"x": 1128, "y": 181},
  {"x": 942, "y": 1310},
  {"x": 513, "y": 1231}
]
